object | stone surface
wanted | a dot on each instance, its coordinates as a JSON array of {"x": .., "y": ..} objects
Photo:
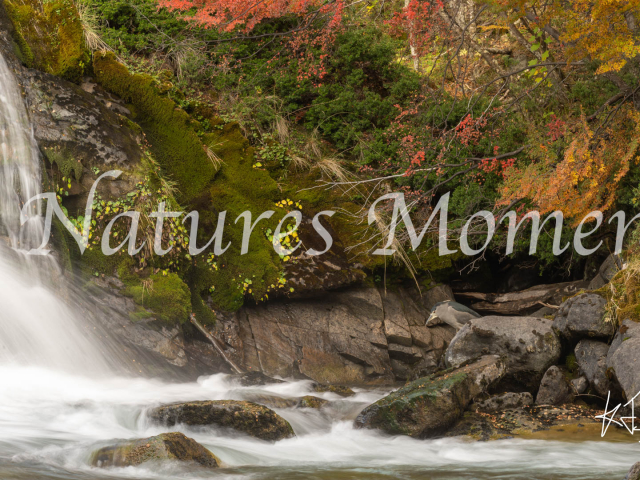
[
  {"x": 437, "y": 294},
  {"x": 608, "y": 269},
  {"x": 591, "y": 356},
  {"x": 634, "y": 473},
  {"x": 309, "y": 401},
  {"x": 166, "y": 446},
  {"x": 525, "y": 421},
  {"x": 555, "y": 389},
  {"x": 503, "y": 401},
  {"x": 529, "y": 345},
  {"x": 623, "y": 358},
  {"x": 337, "y": 389},
  {"x": 428, "y": 406},
  {"x": 354, "y": 336},
  {"x": 582, "y": 316},
  {"x": 524, "y": 302},
  {"x": 247, "y": 417},
  {"x": 580, "y": 385}
]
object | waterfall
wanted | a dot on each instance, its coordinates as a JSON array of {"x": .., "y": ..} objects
[{"x": 36, "y": 326}]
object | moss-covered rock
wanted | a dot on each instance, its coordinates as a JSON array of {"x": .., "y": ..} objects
[
  {"x": 338, "y": 389},
  {"x": 169, "y": 129},
  {"x": 309, "y": 401},
  {"x": 166, "y": 446},
  {"x": 429, "y": 406},
  {"x": 50, "y": 36},
  {"x": 247, "y": 417},
  {"x": 166, "y": 295}
]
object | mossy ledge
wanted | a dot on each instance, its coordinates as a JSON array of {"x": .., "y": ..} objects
[{"x": 50, "y": 37}]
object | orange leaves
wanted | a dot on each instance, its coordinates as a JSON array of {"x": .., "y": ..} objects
[{"x": 586, "y": 178}]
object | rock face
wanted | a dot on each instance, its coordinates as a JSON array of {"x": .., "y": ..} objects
[
  {"x": 358, "y": 336},
  {"x": 427, "y": 407},
  {"x": 247, "y": 417},
  {"x": 582, "y": 316},
  {"x": 591, "y": 356},
  {"x": 529, "y": 345},
  {"x": 504, "y": 401},
  {"x": 624, "y": 356},
  {"x": 166, "y": 446},
  {"x": 555, "y": 389}
]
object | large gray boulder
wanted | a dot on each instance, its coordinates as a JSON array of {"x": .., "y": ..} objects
[
  {"x": 529, "y": 345},
  {"x": 555, "y": 389},
  {"x": 623, "y": 358},
  {"x": 581, "y": 317},
  {"x": 591, "y": 356},
  {"x": 427, "y": 407}
]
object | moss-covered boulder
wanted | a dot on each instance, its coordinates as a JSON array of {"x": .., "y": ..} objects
[
  {"x": 50, "y": 36},
  {"x": 429, "y": 406},
  {"x": 166, "y": 446},
  {"x": 247, "y": 417}
]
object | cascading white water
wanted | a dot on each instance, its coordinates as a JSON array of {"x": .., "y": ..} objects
[
  {"x": 54, "y": 410},
  {"x": 36, "y": 327}
]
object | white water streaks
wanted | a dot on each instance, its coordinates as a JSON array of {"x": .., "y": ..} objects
[{"x": 50, "y": 422}]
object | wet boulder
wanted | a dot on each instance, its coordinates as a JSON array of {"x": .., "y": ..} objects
[
  {"x": 337, "y": 389},
  {"x": 247, "y": 417},
  {"x": 164, "y": 447},
  {"x": 427, "y": 407},
  {"x": 623, "y": 358},
  {"x": 581, "y": 317},
  {"x": 309, "y": 401},
  {"x": 591, "y": 356},
  {"x": 555, "y": 389},
  {"x": 634, "y": 473},
  {"x": 528, "y": 343}
]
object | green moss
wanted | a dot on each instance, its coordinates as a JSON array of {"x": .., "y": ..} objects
[
  {"x": 50, "y": 36},
  {"x": 169, "y": 129},
  {"x": 65, "y": 161},
  {"x": 166, "y": 295}
]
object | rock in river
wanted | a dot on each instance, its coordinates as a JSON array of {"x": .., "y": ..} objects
[
  {"x": 428, "y": 406},
  {"x": 528, "y": 343},
  {"x": 166, "y": 446},
  {"x": 247, "y": 417}
]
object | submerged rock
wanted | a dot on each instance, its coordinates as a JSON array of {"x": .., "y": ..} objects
[
  {"x": 309, "y": 401},
  {"x": 528, "y": 343},
  {"x": 337, "y": 389},
  {"x": 166, "y": 446},
  {"x": 582, "y": 316},
  {"x": 251, "y": 379},
  {"x": 504, "y": 401},
  {"x": 428, "y": 406},
  {"x": 247, "y": 417},
  {"x": 555, "y": 389}
]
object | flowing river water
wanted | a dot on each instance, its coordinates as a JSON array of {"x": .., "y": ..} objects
[{"x": 64, "y": 393}]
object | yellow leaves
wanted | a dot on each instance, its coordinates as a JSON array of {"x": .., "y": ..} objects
[{"x": 586, "y": 177}]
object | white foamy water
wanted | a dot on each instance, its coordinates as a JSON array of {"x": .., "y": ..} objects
[
  {"x": 61, "y": 396},
  {"x": 50, "y": 422}
]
